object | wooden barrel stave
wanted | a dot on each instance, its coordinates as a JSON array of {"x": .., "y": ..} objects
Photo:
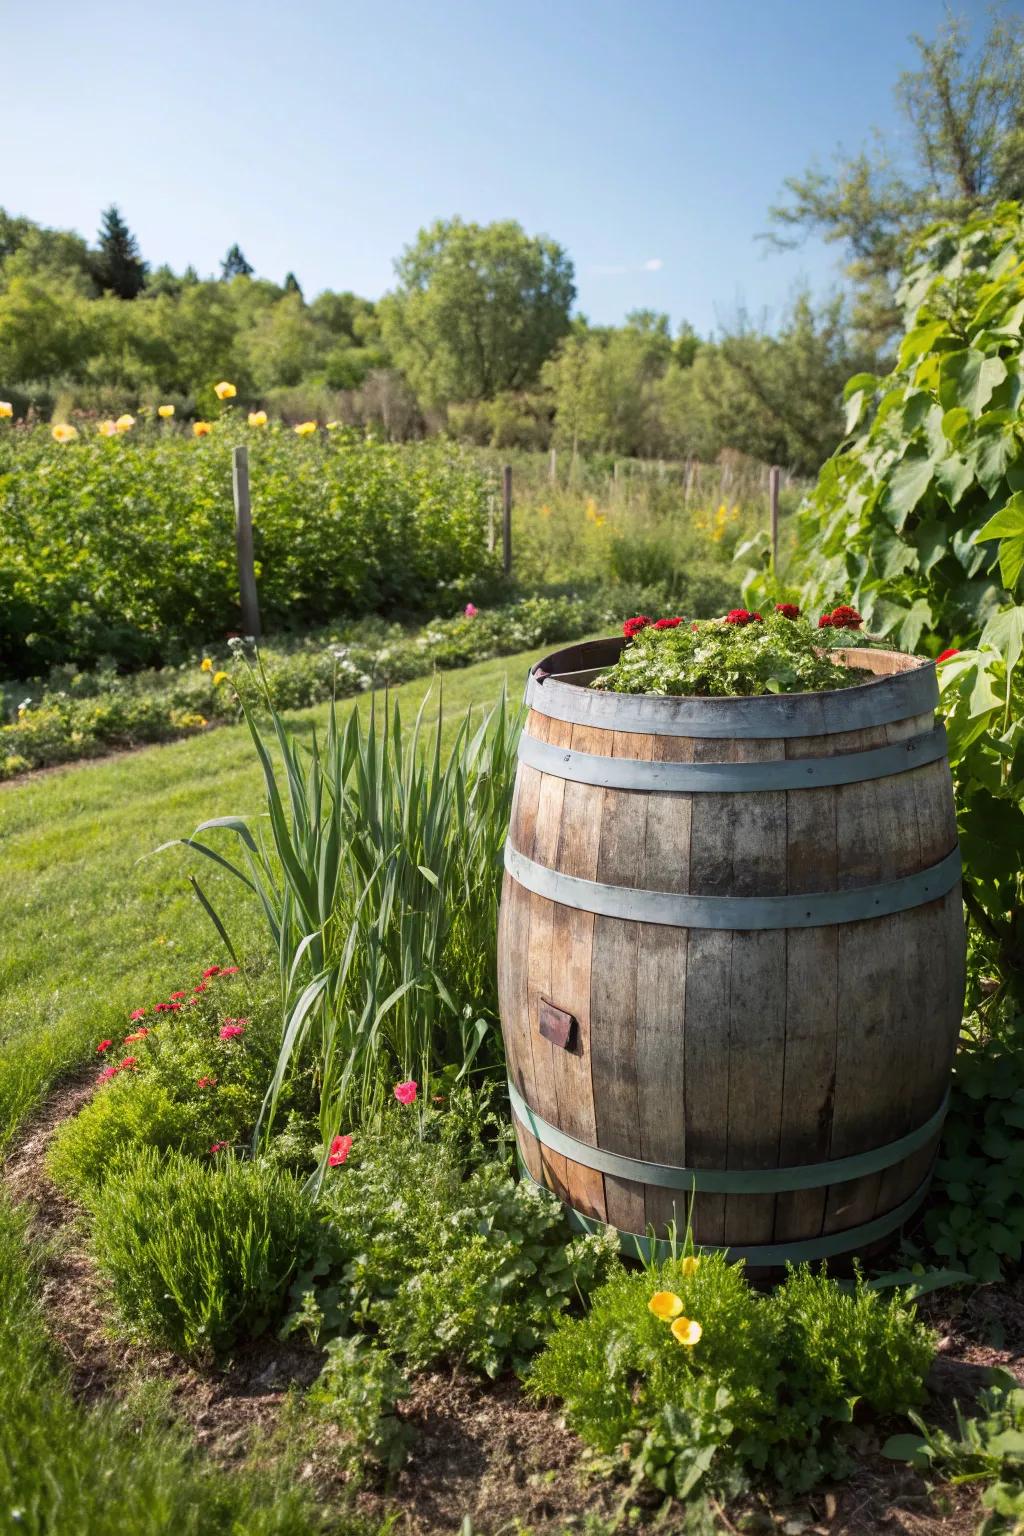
[{"x": 640, "y": 990}]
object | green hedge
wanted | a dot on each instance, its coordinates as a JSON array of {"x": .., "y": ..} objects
[{"x": 123, "y": 547}]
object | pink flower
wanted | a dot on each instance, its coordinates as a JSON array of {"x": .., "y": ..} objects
[
  {"x": 405, "y": 1093},
  {"x": 232, "y": 1031},
  {"x": 341, "y": 1146},
  {"x": 129, "y": 1064},
  {"x": 206, "y": 1082},
  {"x": 471, "y": 610},
  {"x": 140, "y": 1013},
  {"x": 211, "y": 970},
  {"x": 104, "y": 1045},
  {"x": 218, "y": 1146},
  {"x": 107, "y": 1074}
]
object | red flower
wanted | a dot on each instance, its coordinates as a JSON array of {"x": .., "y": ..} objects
[
  {"x": 104, "y": 1045},
  {"x": 405, "y": 1093},
  {"x": 129, "y": 1063},
  {"x": 167, "y": 1008},
  {"x": 218, "y": 1146},
  {"x": 201, "y": 987},
  {"x": 741, "y": 617},
  {"x": 945, "y": 655},
  {"x": 232, "y": 1031},
  {"x": 666, "y": 624},
  {"x": 206, "y": 1082},
  {"x": 341, "y": 1146},
  {"x": 843, "y": 617},
  {"x": 140, "y": 1013},
  {"x": 107, "y": 1074},
  {"x": 230, "y": 970},
  {"x": 788, "y": 610},
  {"x": 140, "y": 1034},
  {"x": 210, "y": 971},
  {"x": 177, "y": 996},
  {"x": 634, "y": 626}
]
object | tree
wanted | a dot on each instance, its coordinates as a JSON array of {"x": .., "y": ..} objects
[
  {"x": 234, "y": 265},
  {"x": 477, "y": 309},
  {"x": 117, "y": 265},
  {"x": 966, "y": 115},
  {"x": 291, "y": 284}
]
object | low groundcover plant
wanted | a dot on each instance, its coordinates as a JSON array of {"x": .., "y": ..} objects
[
  {"x": 702, "y": 1381},
  {"x": 742, "y": 653}
]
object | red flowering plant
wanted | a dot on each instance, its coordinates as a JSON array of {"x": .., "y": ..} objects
[{"x": 744, "y": 652}]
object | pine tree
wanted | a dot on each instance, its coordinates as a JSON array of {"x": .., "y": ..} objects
[
  {"x": 117, "y": 266},
  {"x": 291, "y": 284},
  {"x": 234, "y": 265}
]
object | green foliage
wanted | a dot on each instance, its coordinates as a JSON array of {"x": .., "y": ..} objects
[
  {"x": 477, "y": 309},
  {"x": 124, "y": 547},
  {"x": 986, "y": 1447},
  {"x": 357, "y": 1390},
  {"x": 441, "y": 1265},
  {"x": 976, "y": 1217},
  {"x": 920, "y": 514},
  {"x": 756, "y": 656},
  {"x": 200, "y": 1257},
  {"x": 380, "y": 897},
  {"x": 131, "y": 1111},
  {"x": 766, "y": 1389},
  {"x": 117, "y": 266},
  {"x": 963, "y": 108},
  {"x": 109, "y": 1470}
]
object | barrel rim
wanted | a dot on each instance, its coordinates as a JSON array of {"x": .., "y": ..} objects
[{"x": 913, "y": 690}]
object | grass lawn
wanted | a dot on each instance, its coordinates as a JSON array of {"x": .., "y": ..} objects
[{"x": 93, "y": 925}]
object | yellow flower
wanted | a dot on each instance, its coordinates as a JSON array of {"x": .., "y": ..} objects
[
  {"x": 545, "y": 510},
  {"x": 218, "y": 677},
  {"x": 63, "y": 432},
  {"x": 206, "y": 665},
  {"x": 224, "y": 390},
  {"x": 6, "y": 410},
  {"x": 332, "y": 426},
  {"x": 165, "y": 411},
  {"x": 257, "y": 418},
  {"x": 689, "y": 1265},
  {"x": 125, "y": 423},
  {"x": 665, "y": 1304},
  {"x": 306, "y": 428},
  {"x": 590, "y": 511},
  {"x": 686, "y": 1331},
  {"x": 201, "y": 428},
  {"x": 107, "y": 428}
]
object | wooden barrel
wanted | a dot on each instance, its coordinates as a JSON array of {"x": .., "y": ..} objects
[{"x": 731, "y": 956}]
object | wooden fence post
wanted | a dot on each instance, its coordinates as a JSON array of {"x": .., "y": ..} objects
[
  {"x": 243, "y": 544},
  {"x": 506, "y": 519},
  {"x": 553, "y": 466},
  {"x": 773, "y": 501}
]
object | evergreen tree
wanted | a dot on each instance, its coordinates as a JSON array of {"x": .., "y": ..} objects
[
  {"x": 235, "y": 265},
  {"x": 117, "y": 266},
  {"x": 291, "y": 284}
]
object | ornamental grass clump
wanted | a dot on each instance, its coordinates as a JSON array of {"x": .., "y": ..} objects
[
  {"x": 742, "y": 653},
  {"x": 704, "y": 1383},
  {"x": 200, "y": 1255}
]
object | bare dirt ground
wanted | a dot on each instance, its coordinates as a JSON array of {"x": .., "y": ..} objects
[{"x": 480, "y": 1449}]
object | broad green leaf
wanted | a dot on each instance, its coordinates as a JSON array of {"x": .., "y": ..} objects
[
  {"x": 992, "y": 454},
  {"x": 1008, "y": 526},
  {"x": 968, "y": 378},
  {"x": 917, "y": 342},
  {"x": 907, "y": 1448},
  {"x": 860, "y": 381},
  {"x": 955, "y": 422},
  {"x": 953, "y": 476},
  {"x": 919, "y": 615},
  {"x": 1005, "y": 634},
  {"x": 854, "y": 410},
  {"x": 907, "y": 484}
]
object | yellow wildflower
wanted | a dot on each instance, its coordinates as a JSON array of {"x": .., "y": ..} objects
[
  {"x": 224, "y": 390},
  {"x": 206, "y": 665},
  {"x": 665, "y": 1304},
  {"x": 63, "y": 432},
  {"x": 107, "y": 428},
  {"x": 218, "y": 677},
  {"x": 6, "y": 410},
  {"x": 689, "y": 1265},
  {"x": 332, "y": 426},
  {"x": 201, "y": 428},
  {"x": 686, "y": 1331},
  {"x": 257, "y": 418},
  {"x": 306, "y": 428},
  {"x": 125, "y": 423},
  {"x": 165, "y": 411},
  {"x": 590, "y": 511}
]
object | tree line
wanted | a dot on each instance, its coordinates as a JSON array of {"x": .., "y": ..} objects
[{"x": 479, "y": 337}]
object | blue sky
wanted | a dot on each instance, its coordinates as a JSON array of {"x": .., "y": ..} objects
[{"x": 649, "y": 138}]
